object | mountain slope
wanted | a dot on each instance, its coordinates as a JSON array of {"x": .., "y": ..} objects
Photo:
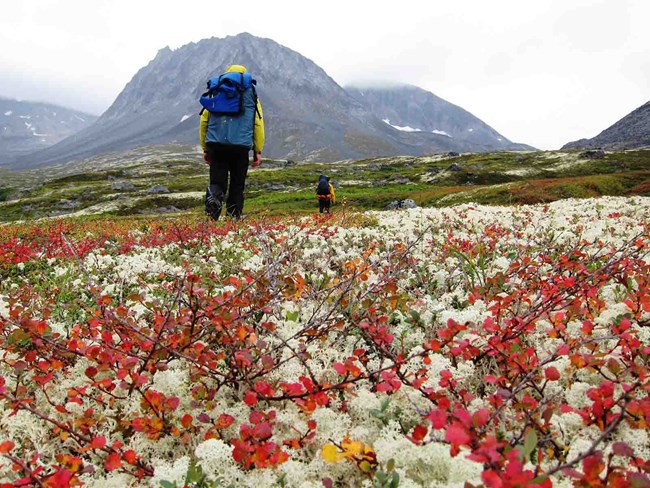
[
  {"x": 308, "y": 116},
  {"x": 28, "y": 126},
  {"x": 412, "y": 109},
  {"x": 630, "y": 132}
]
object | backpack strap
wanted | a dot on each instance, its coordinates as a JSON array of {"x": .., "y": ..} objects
[{"x": 257, "y": 110}]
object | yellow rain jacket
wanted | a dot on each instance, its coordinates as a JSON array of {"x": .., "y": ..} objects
[
  {"x": 258, "y": 130},
  {"x": 332, "y": 193}
]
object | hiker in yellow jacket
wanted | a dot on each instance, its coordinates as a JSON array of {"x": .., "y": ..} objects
[
  {"x": 227, "y": 137},
  {"x": 325, "y": 194}
]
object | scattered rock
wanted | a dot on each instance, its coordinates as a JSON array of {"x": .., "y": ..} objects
[
  {"x": 274, "y": 186},
  {"x": 434, "y": 171},
  {"x": 374, "y": 167},
  {"x": 519, "y": 158},
  {"x": 158, "y": 189},
  {"x": 376, "y": 183},
  {"x": 452, "y": 154},
  {"x": 122, "y": 185},
  {"x": 477, "y": 166},
  {"x": 166, "y": 209},
  {"x": 290, "y": 163},
  {"x": 336, "y": 184},
  {"x": 454, "y": 167},
  {"x": 67, "y": 204},
  {"x": 593, "y": 154},
  {"x": 401, "y": 204},
  {"x": 400, "y": 180}
]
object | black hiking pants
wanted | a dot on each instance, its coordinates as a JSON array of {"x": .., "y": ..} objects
[
  {"x": 228, "y": 170},
  {"x": 324, "y": 205}
]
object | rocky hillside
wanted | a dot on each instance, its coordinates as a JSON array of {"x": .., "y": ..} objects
[
  {"x": 630, "y": 132},
  {"x": 308, "y": 115},
  {"x": 28, "y": 126},
  {"x": 411, "y": 109}
]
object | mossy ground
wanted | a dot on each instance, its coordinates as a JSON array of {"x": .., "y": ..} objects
[{"x": 276, "y": 188}]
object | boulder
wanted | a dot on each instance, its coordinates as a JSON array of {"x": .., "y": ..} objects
[
  {"x": 158, "y": 189},
  {"x": 274, "y": 186},
  {"x": 401, "y": 204},
  {"x": 454, "y": 167},
  {"x": 593, "y": 154},
  {"x": 67, "y": 204},
  {"x": 452, "y": 154},
  {"x": 122, "y": 185},
  {"x": 400, "y": 180}
]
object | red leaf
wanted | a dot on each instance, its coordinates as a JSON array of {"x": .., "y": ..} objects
[
  {"x": 98, "y": 442},
  {"x": 113, "y": 462},
  {"x": 186, "y": 420},
  {"x": 91, "y": 371},
  {"x": 172, "y": 403},
  {"x": 225, "y": 420},
  {"x": 593, "y": 465},
  {"x": 419, "y": 433},
  {"x": 263, "y": 389},
  {"x": 263, "y": 431},
  {"x": 250, "y": 398},
  {"x": 60, "y": 479},
  {"x": 551, "y": 373},
  {"x": 6, "y": 447},
  {"x": 456, "y": 435},
  {"x": 130, "y": 456},
  {"x": 438, "y": 418},
  {"x": 481, "y": 417},
  {"x": 622, "y": 449},
  {"x": 339, "y": 368},
  {"x": 491, "y": 479}
]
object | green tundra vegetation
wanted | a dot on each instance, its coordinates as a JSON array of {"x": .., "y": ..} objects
[{"x": 127, "y": 186}]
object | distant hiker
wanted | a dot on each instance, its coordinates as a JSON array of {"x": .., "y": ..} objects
[
  {"x": 325, "y": 194},
  {"x": 231, "y": 125}
]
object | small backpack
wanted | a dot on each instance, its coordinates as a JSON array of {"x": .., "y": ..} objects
[
  {"x": 225, "y": 93},
  {"x": 323, "y": 187}
]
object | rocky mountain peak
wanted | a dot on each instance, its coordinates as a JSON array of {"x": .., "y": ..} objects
[{"x": 307, "y": 114}]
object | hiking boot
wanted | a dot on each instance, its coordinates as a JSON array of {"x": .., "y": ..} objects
[{"x": 213, "y": 202}]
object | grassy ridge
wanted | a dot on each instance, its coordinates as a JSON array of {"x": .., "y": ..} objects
[{"x": 491, "y": 178}]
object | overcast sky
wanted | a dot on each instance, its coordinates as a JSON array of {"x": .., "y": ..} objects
[{"x": 541, "y": 72}]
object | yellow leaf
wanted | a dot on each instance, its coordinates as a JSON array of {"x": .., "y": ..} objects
[
  {"x": 330, "y": 453},
  {"x": 352, "y": 448}
]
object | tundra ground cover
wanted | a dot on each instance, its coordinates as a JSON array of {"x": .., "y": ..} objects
[
  {"x": 495, "y": 346},
  {"x": 281, "y": 187}
]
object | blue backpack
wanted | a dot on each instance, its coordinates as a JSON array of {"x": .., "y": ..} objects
[
  {"x": 323, "y": 187},
  {"x": 225, "y": 95}
]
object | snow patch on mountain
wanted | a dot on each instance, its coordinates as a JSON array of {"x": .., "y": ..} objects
[{"x": 408, "y": 128}]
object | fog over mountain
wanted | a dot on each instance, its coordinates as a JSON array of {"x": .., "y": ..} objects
[
  {"x": 308, "y": 115},
  {"x": 630, "y": 132},
  {"x": 28, "y": 126}
]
